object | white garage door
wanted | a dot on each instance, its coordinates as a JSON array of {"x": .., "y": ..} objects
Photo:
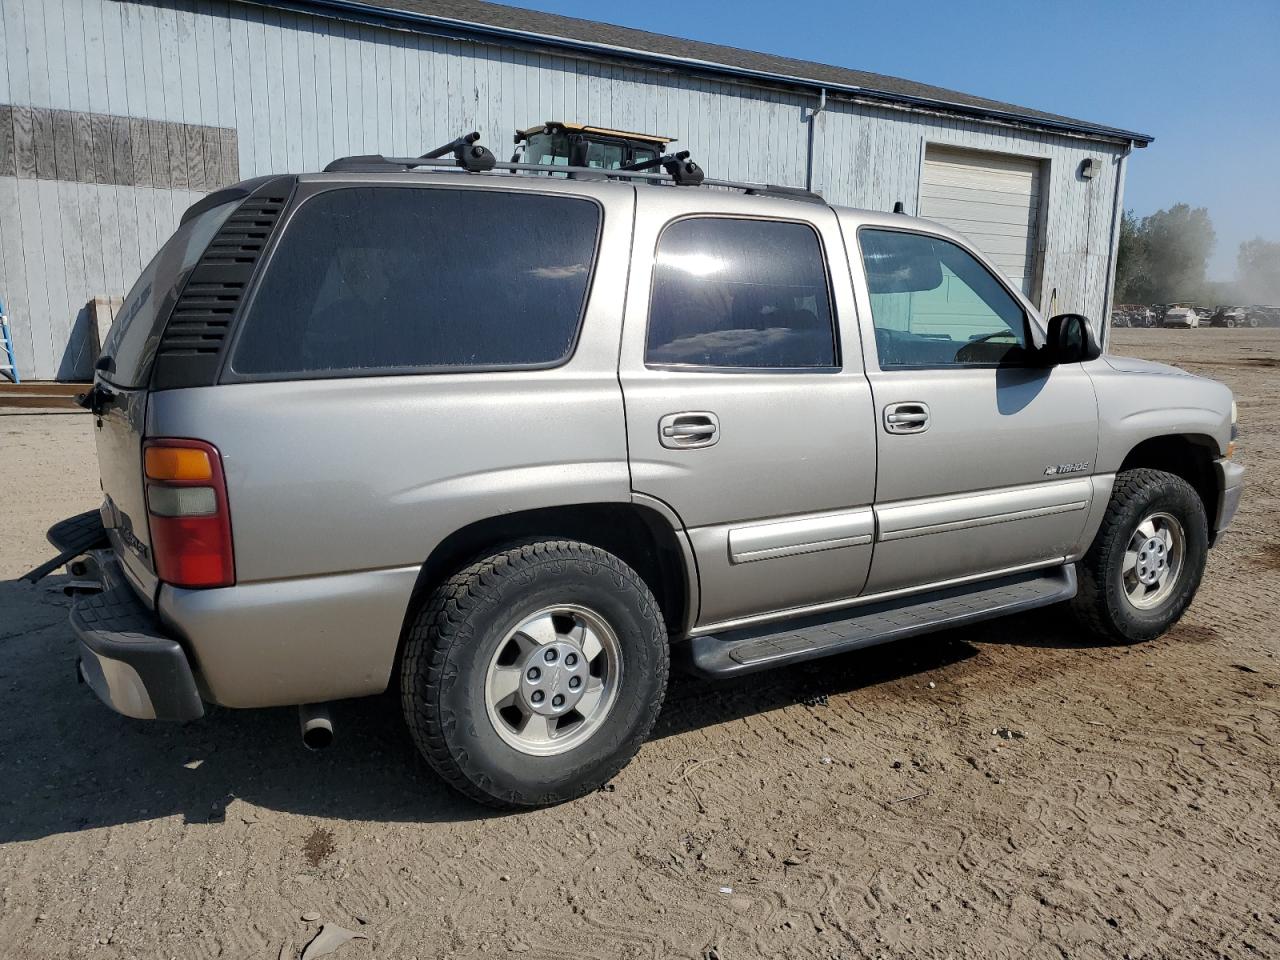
[{"x": 994, "y": 200}]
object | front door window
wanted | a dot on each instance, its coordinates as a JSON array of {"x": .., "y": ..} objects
[{"x": 934, "y": 304}]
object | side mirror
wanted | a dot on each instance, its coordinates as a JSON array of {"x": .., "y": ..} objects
[{"x": 1072, "y": 339}]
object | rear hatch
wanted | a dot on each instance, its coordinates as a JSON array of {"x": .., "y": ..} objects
[{"x": 120, "y": 390}]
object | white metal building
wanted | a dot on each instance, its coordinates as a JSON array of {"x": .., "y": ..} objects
[{"x": 117, "y": 114}]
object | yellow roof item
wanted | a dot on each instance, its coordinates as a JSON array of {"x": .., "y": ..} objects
[{"x": 602, "y": 131}]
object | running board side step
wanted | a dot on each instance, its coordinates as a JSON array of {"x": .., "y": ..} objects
[{"x": 747, "y": 650}]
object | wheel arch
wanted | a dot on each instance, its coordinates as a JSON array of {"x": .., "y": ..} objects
[
  {"x": 1186, "y": 455},
  {"x": 646, "y": 535}
]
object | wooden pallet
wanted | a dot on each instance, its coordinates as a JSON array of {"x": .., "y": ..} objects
[
  {"x": 41, "y": 395},
  {"x": 50, "y": 395},
  {"x": 104, "y": 310}
]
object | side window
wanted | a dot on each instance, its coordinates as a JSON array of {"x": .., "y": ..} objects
[
  {"x": 740, "y": 293},
  {"x": 609, "y": 156},
  {"x": 934, "y": 305},
  {"x": 370, "y": 279}
]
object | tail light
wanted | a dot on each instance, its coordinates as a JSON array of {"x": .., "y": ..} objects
[{"x": 187, "y": 510}]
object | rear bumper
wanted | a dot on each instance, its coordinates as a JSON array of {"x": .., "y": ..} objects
[
  {"x": 1230, "y": 487},
  {"x": 265, "y": 644},
  {"x": 125, "y": 655},
  {"x": 281, "y": 642}
]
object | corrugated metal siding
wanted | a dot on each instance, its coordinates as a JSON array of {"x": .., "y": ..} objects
[{"x": 301, "y": 90}]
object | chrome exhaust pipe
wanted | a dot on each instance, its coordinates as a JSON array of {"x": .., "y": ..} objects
[{"x": 317, "y": 726}]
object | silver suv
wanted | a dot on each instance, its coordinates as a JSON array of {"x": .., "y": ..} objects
[{"x": 510, "y": 441}]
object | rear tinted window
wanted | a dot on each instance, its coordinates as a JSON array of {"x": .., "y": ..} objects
[
  {"x": 135, "y": 333},
  {"x": 740, "y": 293},
  {"x": 401, "y": 280}
]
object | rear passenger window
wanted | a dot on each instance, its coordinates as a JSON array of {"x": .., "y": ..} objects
[
  {"x": 398, "y": 280},
  {"x": 740, "y": 293}
]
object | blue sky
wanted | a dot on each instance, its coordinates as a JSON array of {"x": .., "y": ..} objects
[{"x": 1202, "y": 78}]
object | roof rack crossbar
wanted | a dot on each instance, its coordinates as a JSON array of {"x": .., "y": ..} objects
[
  {"x": 516, "y": 167},
  {"x": 755, "y": 189}
]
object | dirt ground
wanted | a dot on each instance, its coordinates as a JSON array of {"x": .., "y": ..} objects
[{"x": 857, "y": 807}]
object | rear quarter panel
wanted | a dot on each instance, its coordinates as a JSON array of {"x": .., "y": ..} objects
[{"x": 335, "y": 476}]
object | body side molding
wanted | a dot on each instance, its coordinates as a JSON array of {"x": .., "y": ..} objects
[
  {"x": 916, "y": 518},
  {"x": 806, "y": 534}
]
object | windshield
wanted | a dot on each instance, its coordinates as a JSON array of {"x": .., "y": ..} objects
[{"x": 131, "y": 343}]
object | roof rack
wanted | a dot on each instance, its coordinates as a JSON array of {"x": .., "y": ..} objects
[{"x": 470, "y": 157}]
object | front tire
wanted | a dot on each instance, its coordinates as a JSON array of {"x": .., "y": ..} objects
[
  {"x": 534, "y": 675},
  {"x": 1146, "y": 562}
]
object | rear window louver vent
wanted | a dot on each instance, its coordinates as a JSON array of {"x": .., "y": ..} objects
[
  {"x": 202, "y": 315},
  {"x": 191, "y": 347},
  {"x": 242, "y": 237},
  {"x": 200, "y": 318}
]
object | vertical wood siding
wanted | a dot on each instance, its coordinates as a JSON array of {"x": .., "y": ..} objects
[
  {"x": 40, "y": 143},
  {"x": 300, "y": 90}
]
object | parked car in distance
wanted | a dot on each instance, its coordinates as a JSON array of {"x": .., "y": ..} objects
[
  {"x": 1231, "y": 317},
  {"x": 513, "y": 442},
  {"x": 1181, "y": 317},
  {"x": 1132, "y": 315},
  {"x": 1264, "y": 316}
]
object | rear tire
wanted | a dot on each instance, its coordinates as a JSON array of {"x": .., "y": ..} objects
[
  {"x": 534, "y": 675},
  {"x": 1146, "y": 562}
]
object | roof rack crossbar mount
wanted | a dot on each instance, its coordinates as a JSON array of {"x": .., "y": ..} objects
[{"x": 452, "y": 146}]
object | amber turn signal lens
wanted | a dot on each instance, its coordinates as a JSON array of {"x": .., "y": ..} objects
[{"x": 177, "y": 464}]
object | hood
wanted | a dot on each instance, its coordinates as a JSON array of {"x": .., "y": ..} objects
[{"x": 1134, "y": 365}]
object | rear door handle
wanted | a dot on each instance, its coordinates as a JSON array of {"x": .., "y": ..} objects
[
  {"x": 908, "y": 417},
  {"x": 681, "y": 431}
]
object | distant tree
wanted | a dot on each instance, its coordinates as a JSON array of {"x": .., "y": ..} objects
[
  {"x": 1163, "y": 257},
  {"x": 1179, "y": 241},
  {"x": 1133, "y": 282},
  {"x": 1258, "y": 268}
]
